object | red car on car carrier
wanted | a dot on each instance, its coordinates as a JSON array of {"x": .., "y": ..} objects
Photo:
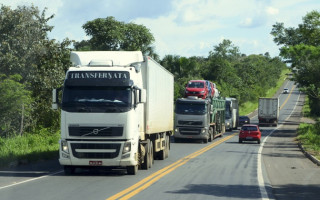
[
  {"x": 250, "y": 132},
  {"x": 197, "y": 88}
]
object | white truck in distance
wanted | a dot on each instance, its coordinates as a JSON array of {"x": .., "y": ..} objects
[
  {"x": 268, "y": 111},
  {"x": 116, "y": 111}
]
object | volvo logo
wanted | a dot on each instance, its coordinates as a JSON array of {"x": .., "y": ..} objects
[{"x": 95, "y": 131}]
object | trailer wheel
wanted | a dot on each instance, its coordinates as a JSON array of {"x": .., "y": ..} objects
[
  {"x": 146, "y": 159},
  {"x": 132, "y": 170}
]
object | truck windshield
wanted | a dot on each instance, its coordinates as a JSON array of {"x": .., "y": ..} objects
[
  {"x": 96, "y": 99},
  {"x": 228, "y": 110},
  {"x": 191, "y": 108}
]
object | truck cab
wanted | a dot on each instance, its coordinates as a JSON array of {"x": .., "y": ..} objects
[{"x": 192, "y": 119}]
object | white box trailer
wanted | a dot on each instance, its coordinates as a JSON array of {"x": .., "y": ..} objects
[
  {"x": 268, "y": 111},
  {"x": 116, "y": 111}
]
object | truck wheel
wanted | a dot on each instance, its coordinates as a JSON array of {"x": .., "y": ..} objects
[
  {"x": 205, "y": 141},
  {"x": 210, "y": 134},
  {"x": 151, "y": 154},
  {"x": 132, "y": 170},
  {"x": 240, "y": 141},
  {"x": 167, "y": 146},
  {"x": 162, "y": 153},
  {"x": 259, "y": 141},
  {"x": 146, "y": 163},
  {"x": 69, "y": 170}
]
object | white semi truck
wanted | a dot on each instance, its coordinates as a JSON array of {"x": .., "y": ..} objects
[
  {"x": 268, "y": 111},
  {"x": 116, "y": 111}
]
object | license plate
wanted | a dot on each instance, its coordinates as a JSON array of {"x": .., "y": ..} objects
[{"x": 95, "y": 163}]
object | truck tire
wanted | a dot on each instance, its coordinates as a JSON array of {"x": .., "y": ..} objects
[
  {"x": 210, "y": 134},
  {"x": 69, "y": 170},
  {"x": 145, "y": 165},
  {"x": 132, "y": 170},
  {"x": 162, "y": 153},
  {"x": 167, "y": 146},
  {"x": 205, "y": 140},
  {"x": 151, "y": 154}
]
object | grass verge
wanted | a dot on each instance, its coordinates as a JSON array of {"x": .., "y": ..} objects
[
  {"x": 249, "y": 107},
  {"x": 41, "y": 145},
  {"x": 309, "y": 134}
]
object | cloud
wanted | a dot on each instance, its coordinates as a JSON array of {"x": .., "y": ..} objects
[{"x": 272, "y": 11}]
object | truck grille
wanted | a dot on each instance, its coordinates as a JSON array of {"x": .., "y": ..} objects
[
  {"x": 197, "y": 123},
  {"x": 78, "y": 150},
  {"x": 190, "y": 131},
  {"x": 87, "y": 131}
]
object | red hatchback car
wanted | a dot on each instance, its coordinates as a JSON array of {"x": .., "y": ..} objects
[
  {"x": 197, "y": 88},
  {"x": 250, "y": 132}
]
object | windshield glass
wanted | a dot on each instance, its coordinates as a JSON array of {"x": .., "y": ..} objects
[
  {"x": 195, "y": 85},
  {"x": 228, "y": 110},
  {"x": 191, "y": 108},
  {"x": 96, "y": 99}
]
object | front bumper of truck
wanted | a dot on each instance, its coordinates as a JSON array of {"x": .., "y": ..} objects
[
  {"x": 93, "y": 153},
  {"x": 191, "y": 132}
]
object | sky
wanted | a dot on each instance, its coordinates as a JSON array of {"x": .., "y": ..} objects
[{"x": 181, "y": 27}]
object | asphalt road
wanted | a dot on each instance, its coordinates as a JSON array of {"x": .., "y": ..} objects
[{"x": 222, "y": 169}]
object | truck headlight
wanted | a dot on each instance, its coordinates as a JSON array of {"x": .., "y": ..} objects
[
  {"x": 126, "y": 147},
  {"x": 202, "y": 92},
  {"x": 203, "y": 131},
  {"x": 64, "y": 146},
  {"x": 176, "y": 130}
]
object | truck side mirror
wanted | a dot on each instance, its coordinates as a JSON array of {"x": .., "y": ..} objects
[{"x": 55, "y": 99}]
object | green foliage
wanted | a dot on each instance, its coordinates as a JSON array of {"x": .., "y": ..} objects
[
  {"x": 236, "y": 75},
  {"x": 41, "y": 63},
  {"x": 42, "y": 144},
  {"x": 301, "y": 47},
  {"x": 111, "y": 35},
  {"x": 15, "y": 105},
  {"x": 309, "y": 136}
]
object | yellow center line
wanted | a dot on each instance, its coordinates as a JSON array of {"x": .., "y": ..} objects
[{"x": 148, "y": 181}]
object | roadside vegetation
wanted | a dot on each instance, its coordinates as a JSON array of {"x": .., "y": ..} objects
[
  {"x": 309, "y": 133},
  {"x": 40, "y": 145},
  {"x": 250, "y": 106},
  {"x": 301, "y": 48},
  {"x": 32, "y": 64}
]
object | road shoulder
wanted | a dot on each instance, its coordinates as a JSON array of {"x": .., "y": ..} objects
[{"x": 291, "y": 174}]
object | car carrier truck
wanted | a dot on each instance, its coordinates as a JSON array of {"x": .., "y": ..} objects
[
  {"x": 199, "y": 119},
  {"x": 116, "y": 111},
  {"x": 268, "y": 111}
]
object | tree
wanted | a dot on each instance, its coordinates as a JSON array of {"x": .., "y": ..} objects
[
  {"x": 111, "y": 35},
  {"x": 301, "y": 47},
  {"x": 41, "y": 63},
  {"x": 15, "y": 105}
]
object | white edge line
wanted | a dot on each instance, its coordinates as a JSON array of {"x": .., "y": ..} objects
[
  {"x": 33, "y": 179},
  {"x": 261, "y": 182}
]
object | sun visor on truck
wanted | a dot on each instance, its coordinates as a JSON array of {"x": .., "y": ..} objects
[{"x": 98, "y": 78}]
